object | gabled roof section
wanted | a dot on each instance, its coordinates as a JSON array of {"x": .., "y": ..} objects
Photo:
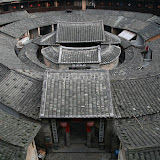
[
  {"x": 80, "y": 32},
  {"x": 140, "y": 140},
  {"x": 51, "y": 53},
  {"x": 16, "y": 131},
  {"x": 11, "y": 152},
  {"x": 19, "y": 92},
  {"x": 109, "y": 53},
  {"x": 69, "y": 55},
  {"x": 136, "y": 97},
  {"x": 48, "y": 39},
  {"x": 72, "y": 94},
  {"x": 13, "y": 16}
]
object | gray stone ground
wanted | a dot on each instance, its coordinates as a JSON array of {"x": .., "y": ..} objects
[{"x": 79, "y": 156}]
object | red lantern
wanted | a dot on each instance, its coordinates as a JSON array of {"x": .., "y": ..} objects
[
  {"x": 90, "y": 123},
  {"x": 63, "y": 124}
]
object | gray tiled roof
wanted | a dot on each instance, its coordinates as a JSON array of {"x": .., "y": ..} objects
[
  {"x": 20, "y": 93},
  {"x": 111, "y": 39},
  {"x": 11, "y": 152},
  {"x": 13, "y": 16},
  {"x": 50, "y": 39},
  {"x": 136, "y": 22},
  {"x": 7, "y": 52},
  {"x": 51, "y": 53},
  {"x": 16, "y": 131},
  {"x": 17, "y": 29},
  {"x": 78, "y": 32},
  {"x": 32, "y": 62},
  {"x": 109, "y": 53},
  {"x": 4, "y": 71},
  {"x": 152, "y": 154},
  {"x": 136, "y": 97},
  {"x": 31, "y": 54},
  {"x": 72, "y": 94},
  {"x": 150, "y": 31},
  {"x": 129, "y": 69},
  {"x": 15, "y": 136},
  {"x": 154, "y": 19},
  {"x": 140, "y": 143},
  {"x": 69, "y": 55},
  {"x": 46, "y": 40},
  {"x": 125, "y": 43}
]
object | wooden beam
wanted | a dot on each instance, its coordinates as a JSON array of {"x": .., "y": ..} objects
[
  {"x": 83, "y": 4},
  {"x": 153, "y": 38}
]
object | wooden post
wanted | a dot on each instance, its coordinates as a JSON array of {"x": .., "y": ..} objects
[
  {"x": 55, "y": 4},
  {"x": 88, "y": 136},
  {"x": 39, "y": 32},
  {"x": 52, "y": 27},
  {"x": 68, "y": 142},
  {"x": 83, "y": 4},
  {"x": 108, "y": 135},
  {"x": 46, "y": 4}
]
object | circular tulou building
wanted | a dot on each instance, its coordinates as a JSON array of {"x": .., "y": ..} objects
[{"x": 85, "y": 82}]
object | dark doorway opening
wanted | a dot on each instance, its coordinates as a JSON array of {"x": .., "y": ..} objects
[{"x": 78, "y": 131}]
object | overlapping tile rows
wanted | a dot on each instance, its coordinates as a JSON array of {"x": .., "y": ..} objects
[
  {"x": 9, "y": 151},
  {"x": 80, "y": 32},
  {"x": 33, "y": 63},
  {"x": 13, "y": 16},
  {"x": 70, "y": 55},
  {"x": 51, "y": 53},
  {"x": 131, "y": 68},
  {"x": 135, "y": 91},
  {"x": 117, "y": 19},
  {"x": 140, "y": 141},
  {"x": 71, "y": 94},
  {"x": 21, "y": 94},
  {"x": 16, "y": 135},
  {"x": 46, "y": 40},
  {"x": 136, "y": 97},
  {"x": 152, "y": 154},
  {"x": 16, "y": 131},
  {"x": 109, "y": 53},
  {"x": 111, "y": 39},
  {"x": 31, "y": 54}
]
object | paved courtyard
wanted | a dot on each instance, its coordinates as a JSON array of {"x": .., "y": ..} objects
[{"x": 79, "y": 156}]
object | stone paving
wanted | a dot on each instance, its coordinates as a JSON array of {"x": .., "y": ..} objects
[{"x": 79, "y": 156}]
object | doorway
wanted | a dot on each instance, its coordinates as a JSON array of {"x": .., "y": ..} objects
[{"x": 78, "y": 131}]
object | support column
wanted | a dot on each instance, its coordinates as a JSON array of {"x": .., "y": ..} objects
[
  {"x": 47, "y": 134},
  {"x": 55, "y": 134},
  {"x": 68, "y": 141},
  {"x": 88, "y": 136},
  {"x": 83, "y": 4},
  {"x": 101, "y": 134},
  {"x": 108, "y": 135},
  {"x": 39, "y": 31},
  {"x": 52, "y": 27},
  {"x": 55, "y": 3}
]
